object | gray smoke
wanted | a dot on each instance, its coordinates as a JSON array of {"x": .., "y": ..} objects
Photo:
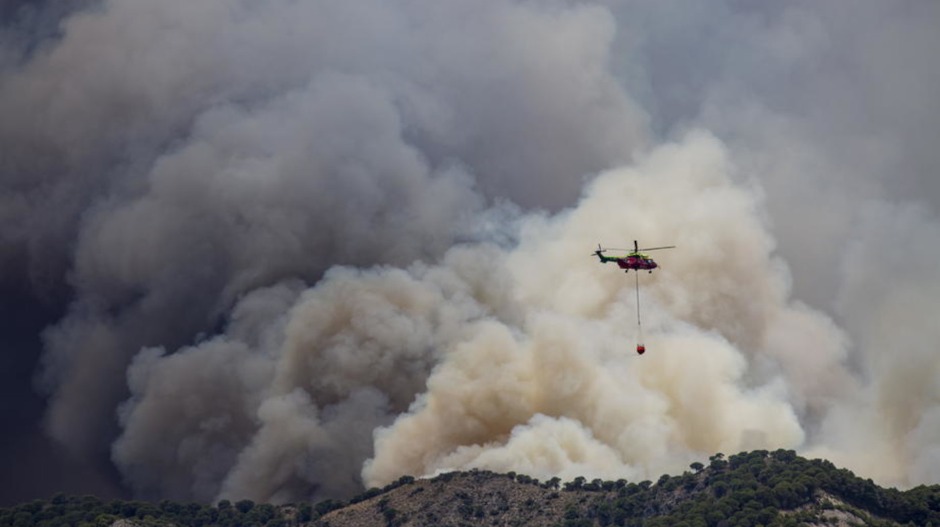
[{"x": 310, "y": 247}]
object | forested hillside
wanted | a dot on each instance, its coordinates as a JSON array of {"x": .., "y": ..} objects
[{"x": 748, "y": 489}]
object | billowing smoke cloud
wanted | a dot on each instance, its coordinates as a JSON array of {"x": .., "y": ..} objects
[
  {"x": 566, "y": 380},
  {"x": 309, "y": 247},
  {"x": 165, "y": 159},
  {"x": 825, "y": 107},
  {"x": 515, "y": 359}
]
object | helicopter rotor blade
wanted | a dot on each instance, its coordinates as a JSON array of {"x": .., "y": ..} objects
[
  {"x": 635, "y": 249},
  {"x": 658, "y": 248}
]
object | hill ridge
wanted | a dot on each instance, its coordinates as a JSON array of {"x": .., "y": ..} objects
[{"x": 779, "y": 489}]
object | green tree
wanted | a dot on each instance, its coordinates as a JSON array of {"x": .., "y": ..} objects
[{"x": 305, "y": 513}]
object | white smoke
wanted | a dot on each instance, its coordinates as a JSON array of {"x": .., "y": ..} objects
[
  {"x": 470, "y": 363},
  {"x": 570, "y": 363},
  {"x": 283, "y": 405},
  {"x": 311, "y": 247}
]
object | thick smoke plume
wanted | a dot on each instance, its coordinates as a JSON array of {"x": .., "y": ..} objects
[
  {"x": 289, "y": 250},
  {"x": 515, "y": 359}
]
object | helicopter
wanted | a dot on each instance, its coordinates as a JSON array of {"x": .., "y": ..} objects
[{"x": 635, "y": 259}]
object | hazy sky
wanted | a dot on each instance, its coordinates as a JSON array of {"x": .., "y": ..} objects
[{"x": 286, "y": 250}]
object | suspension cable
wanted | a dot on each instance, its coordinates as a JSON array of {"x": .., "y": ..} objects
[{"x": 639, "y": 326}]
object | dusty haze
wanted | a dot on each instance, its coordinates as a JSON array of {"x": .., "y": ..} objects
[{"x": 288, "y": 250}]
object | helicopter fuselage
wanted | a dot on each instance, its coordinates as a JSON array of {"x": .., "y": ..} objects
[{"x": 636, "y": 262}]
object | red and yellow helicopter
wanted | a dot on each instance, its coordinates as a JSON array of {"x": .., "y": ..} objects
[{"x": 635, "y": 259}]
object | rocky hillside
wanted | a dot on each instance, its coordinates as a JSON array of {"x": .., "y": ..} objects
[{"x": 748, "y": 489}]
